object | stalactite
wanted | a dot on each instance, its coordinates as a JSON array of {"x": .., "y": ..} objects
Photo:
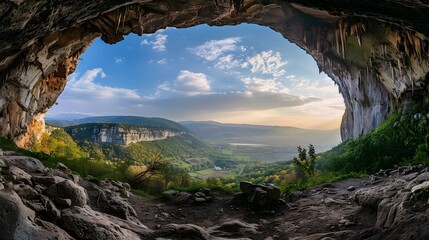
[
  {"x": 357, "y": 30},
  {"x": 399, "y": 66},
  {"x": 337, "y": 44},
  {"x": 118, "y": 23},
  {"x": 343, "y": 37}
]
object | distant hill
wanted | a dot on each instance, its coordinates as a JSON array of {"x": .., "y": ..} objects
[
  {"x": 129, "y": 120},
  {"x": 67, "y": 116},
  {"x": 221, "y": 133}
]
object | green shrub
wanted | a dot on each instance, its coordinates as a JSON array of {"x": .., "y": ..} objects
[{"x": 399, "y": 140}]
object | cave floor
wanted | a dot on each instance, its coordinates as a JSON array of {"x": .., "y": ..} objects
[{"x": 322, "y": 211}]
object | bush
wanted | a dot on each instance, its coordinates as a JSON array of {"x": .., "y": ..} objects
[{"x": 399, "y": 140}]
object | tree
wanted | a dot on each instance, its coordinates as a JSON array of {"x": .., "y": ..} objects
[
  {"x": 153, "y": 162},
  {"x": 306, "y": 164},
  {"x": 169, "y": 173}
]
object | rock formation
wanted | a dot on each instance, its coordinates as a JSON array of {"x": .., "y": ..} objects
[
  {"x": 37, "y": 202},
  {"x": 375, "y": 52},
  {"x": 118, "y": 134}
]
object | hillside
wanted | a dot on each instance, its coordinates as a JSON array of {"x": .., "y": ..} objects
[
  {"x": 221, "y": 133},
  {"x": 129, "y": 120}
]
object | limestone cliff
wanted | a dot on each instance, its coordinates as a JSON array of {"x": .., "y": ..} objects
[
  {"x": 375, "y": 51},
  {"x": 118, "y": 133}
]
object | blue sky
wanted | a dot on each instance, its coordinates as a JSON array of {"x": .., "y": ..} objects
[{"x": 233, "y": 74}]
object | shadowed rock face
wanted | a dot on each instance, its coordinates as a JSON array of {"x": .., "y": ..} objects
[{"x": 375, "y": 51}]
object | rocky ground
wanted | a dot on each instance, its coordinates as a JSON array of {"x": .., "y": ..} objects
[{"x": 37, "y": 202}]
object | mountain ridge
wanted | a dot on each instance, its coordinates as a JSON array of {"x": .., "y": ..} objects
[{"x": 129, "y": 120}]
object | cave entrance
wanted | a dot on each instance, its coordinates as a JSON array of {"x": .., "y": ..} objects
[
  {"x": 235, "y": 74},
  {"x": 245, "y": 74}
]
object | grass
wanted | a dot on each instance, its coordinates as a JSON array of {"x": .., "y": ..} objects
[
  {"x": 144, "y": 194},
  {"x": 324, "y": 177}
]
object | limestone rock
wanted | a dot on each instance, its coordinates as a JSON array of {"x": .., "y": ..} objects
[
  {"x": 168, "y": 194},
  {"x": 420, "y": 187},
  {"x": 233, "y": 228},
  {"x": 27, "y": 164},
  {"x": 88, "y": 224},
  {"x": 181, "y": 198},
  {"x": 18, "y": 222},
  {"x": 247, "y": 187},
  {"x": 62, "y": 167},
  {"x": 20, "y": 174},
  {"x": 258, "y": 194},
  {"x": 371, "y": 197},
  {"x": 46, "y": 181},
  {"x": 68, "y": 190},
  {"x": 25, "y": 191}
]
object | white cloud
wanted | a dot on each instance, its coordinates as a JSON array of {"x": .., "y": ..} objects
[
  {"x": 86, "y": 86},
  {"x": 213, "y": 49},
  {"x": 267, "y": 62},
  {"x": 227, "y": 62},
  {"x": 119, "y": 60},
  {"x": 264, "y": 85},
  {"x": 159, "y": 44},
  {"x": 189, "y": 83},
  {"x": 162, "y": 61}
]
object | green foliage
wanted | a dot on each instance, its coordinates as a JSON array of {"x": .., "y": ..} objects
[
  {"x": 58, "y": 144},
  {"x": 304, "y": 164},
  {"x": 423, "y": 194},
  {"x": 399, "y": 140},
  {"x": 317, "y": 179}
]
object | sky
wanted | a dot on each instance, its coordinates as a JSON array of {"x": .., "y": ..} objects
[{"x": 231, "y": 74}]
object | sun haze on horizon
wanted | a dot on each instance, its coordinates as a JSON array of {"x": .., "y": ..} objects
[{"x": 233, "y": 74}]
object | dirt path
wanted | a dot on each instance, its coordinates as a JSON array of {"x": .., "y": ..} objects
[{"x": 323, "y": 211}]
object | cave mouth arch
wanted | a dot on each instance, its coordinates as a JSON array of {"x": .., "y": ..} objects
[
  {"x": 245, "y": 74},
  {"x": 372, "y": 62}
]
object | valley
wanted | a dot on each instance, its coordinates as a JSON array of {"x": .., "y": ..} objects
[{"x": 204, "y": 149}]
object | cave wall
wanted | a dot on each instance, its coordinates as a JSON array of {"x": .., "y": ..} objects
[{"x": 378, "y": 58}]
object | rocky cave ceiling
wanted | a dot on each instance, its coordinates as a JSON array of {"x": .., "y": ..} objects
[{"x": 375, "y": 51}]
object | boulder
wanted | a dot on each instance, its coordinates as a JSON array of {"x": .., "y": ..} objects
[
  {"x": 371, "y": 197},
  {"x": 169, "y": 194},
  {"x": 62, "y": 167},
  {"x": 181, "y": 198},
  {"x": 96, "y": 196},
  {"x": 258, "y": 197},
  {"x": 2, "y": 163},
  {"x": 206, "y": 191},
  {"x": 247, "y": 187},
  {"x": 19, "y": 222},
  {"x": 120, "y": 208},
  {"x": 85, "y": 223},
  {"x": 420, "y": 187},
  {"x": 20, "y": 174},
  {"x": 25, "y": 191},
  {"x": 27, "y": 164},
  {"x": 46, "y": 181},
  {"x": 258, "y": 194},
  {"x": 70, "y": 190},
  {"x": 273, "y": 192}
]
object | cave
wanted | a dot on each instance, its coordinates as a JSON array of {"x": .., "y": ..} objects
[{"x": 375, "y": 52}]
